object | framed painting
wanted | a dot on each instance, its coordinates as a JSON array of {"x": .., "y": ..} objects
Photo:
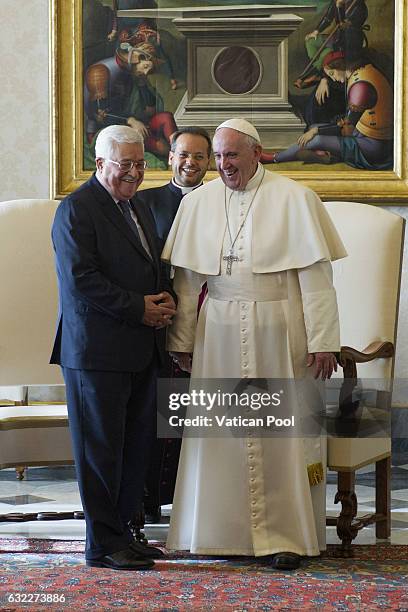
[{"x": 325, "y": 82}]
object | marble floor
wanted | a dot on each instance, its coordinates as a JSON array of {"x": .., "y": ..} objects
[{"x": 55, "y": 489}]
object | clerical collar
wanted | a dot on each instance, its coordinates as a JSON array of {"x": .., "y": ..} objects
[{"x": 185, "y": 190}]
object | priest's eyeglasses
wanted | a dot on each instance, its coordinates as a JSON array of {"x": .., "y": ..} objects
[{"x": 128, "y": 164}]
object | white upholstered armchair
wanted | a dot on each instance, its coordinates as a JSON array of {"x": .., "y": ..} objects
[
  {"x": 29, "y": 435},
  {"x": 367, "y": 284}
]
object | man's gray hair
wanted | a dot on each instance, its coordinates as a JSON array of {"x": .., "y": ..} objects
[
  {"x": 251, "y": 142},
  {"x": 112, "y": 135}
]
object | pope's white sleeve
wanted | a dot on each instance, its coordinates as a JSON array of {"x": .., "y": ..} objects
[
  {"x": 320, "y": 307},
  {"x": 180, "y": 335}
]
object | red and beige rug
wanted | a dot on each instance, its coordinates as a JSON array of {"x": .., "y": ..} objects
[{"x": 47, "y": 574}]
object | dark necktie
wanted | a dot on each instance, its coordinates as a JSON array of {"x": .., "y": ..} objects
[{"x": 125, "y": 208}]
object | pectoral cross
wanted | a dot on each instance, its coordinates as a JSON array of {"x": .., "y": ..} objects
[{"x": 229, "y": 259}]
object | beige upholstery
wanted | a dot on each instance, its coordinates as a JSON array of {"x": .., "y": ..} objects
[
  {"x": 367, "y": 285},
  {"x": 28, "y": 305},
  {"x": 34, "y": 435},
  {"x": 367, "y": 282}
]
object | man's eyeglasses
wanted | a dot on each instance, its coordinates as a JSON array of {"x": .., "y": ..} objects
[{"x": 126, "y": 166}]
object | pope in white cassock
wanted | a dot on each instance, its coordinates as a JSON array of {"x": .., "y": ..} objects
[{"x": 264, "y": 244}]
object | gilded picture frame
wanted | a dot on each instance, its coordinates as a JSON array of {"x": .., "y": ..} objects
[{"x": 67, "y": 121}]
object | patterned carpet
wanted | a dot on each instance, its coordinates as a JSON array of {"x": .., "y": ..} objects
[{"x": 375, "y": 579}]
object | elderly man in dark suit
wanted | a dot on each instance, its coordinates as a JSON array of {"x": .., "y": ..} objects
[
  {"x": 189, "y": 158},
  {"x": 114, "y": 307}
]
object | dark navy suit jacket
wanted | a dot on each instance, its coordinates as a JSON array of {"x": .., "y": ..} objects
[
  {"x": 103, "y": 275},
  {"x": 163, "y": 202}
]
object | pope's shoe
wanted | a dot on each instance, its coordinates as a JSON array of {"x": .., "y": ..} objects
[
  {"x": 286, "y": 561},
  {"x": 143, "y": 550},
  {"x": 122, "y": 560}
]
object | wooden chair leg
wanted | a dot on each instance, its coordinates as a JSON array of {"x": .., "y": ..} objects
[
  {"x": 347, "y": 497},
  {"x": 136, "y": 525},
  {"x": 383, "y": 497},
  {"x": 20, "y": 472}
]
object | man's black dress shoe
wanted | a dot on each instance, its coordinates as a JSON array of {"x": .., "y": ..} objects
[
  {"x": 142, "y": 550},
  {"x": 286, "y": 561},
  {"x": 122, "y": 560}
]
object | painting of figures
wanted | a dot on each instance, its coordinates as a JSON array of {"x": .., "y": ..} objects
[
  {"x": 124, "y": 58},
  {"x": 323, "y": 81},
  {"x": 339, "y": 98},
  {"x": 347, "y": 86}
]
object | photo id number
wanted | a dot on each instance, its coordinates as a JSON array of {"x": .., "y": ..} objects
[{"x": 36, "y": 598}]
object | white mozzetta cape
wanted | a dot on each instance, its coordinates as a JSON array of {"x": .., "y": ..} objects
[{"x": 292, "y": 229}]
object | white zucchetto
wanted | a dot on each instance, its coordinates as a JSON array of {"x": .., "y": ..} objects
[{"x": 241, "y": 125}]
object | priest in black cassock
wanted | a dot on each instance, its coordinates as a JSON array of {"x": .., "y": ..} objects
[{"x": 189, "y": 158}]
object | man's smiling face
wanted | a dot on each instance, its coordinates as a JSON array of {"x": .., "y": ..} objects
[
  {"x": 235, "y": 157},
  {"x": 189, "y": 161},
  {"x": 121, "y": 185}
]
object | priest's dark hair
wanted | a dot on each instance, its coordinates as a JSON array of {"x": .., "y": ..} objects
[{"x": 195, "y": 131}]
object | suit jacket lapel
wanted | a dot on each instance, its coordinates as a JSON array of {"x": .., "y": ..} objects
[{"x": 113, "y": 213}]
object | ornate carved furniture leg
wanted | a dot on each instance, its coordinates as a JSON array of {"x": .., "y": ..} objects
[
  {"x": 383, "y": 497},
  {"x": 20, "y": 472},
  {"x": 136, "y": 525},
  {"x": 347, "y": 497}
]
